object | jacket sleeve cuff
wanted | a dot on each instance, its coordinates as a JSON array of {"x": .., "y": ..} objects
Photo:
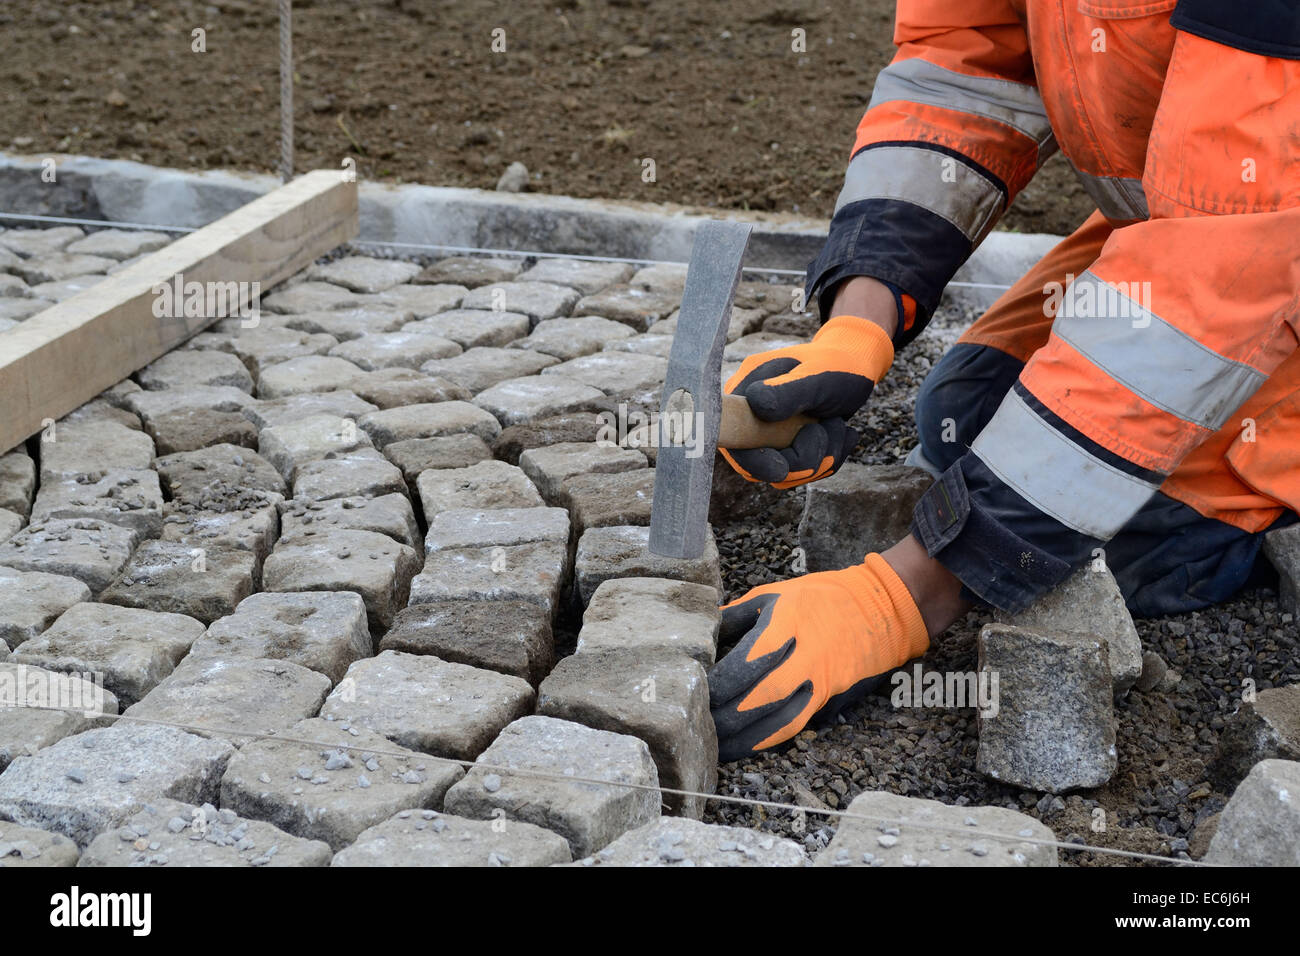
[{"x": 913, "y": 251}]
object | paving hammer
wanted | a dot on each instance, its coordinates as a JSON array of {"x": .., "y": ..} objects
[{"x": 694, "y": 416}]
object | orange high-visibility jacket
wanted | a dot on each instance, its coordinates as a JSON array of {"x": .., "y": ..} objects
[{"x": 1182, "y": 119}]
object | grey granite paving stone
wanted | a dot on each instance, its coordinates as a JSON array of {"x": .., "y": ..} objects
[
  {"x": 346, "y": 478},
  {"x": 514, "y": 440},
  {"x": 665, "y": 277},
  {"x": 427, "y": 704},
  {"x": 428, "y": 420},
  {"x": 291, "y": 784},
  {"x": 1053, "y": 724},
  {"x": 483, "y": 527},
  {"x": 569, "y": 338},
  {"x": 11, "y": 522},
  {"x": 588, "y": 815},
  {"x": 33, "y": 600},
  {"x": 488, "y": 484},
  {"x": 585, "y": 276},
  {"x": 324, "y": 631},
  {"x": 132, "y": 499},
  {"x": 533, "y": 572},
  {"x": 636, "y": 307},
  {"x": 421, "y": 301},
  {"x": 94, "y": 449},
  {"x": 623, "y": 552},
  {"x": 177, "y": 834},
  {"x": 510, "y": 637},
  {"x": 39, "y": 242},
  {"x": 17, "y": 481},
  {"x": 471, "y": 271},
  {"x": 200, "y": 582},
  {"x": 217, "y": 470},
  {"x": 756, "y": 342},
  {"x": 262, "y": 347},
  {"x": 389, "y": 514},
  {"x": 308, "y": 373},
  {"x": 14, "y": 310},
  {"x": 523, "y": 399},
  {"x": 121, "y": 769},
  {"x": 680, "y": 842},
  {"x": 38, "y": 708},
  {"x": 440, "y": 839},
  {"x": 661, "y": 697},
  {"x": 651, "y": 343},
  {"x": 537, "y": 300},
  {"x": 602, "y": 500},
  {"x": 371, "y": 564},
  {"x": 311, "y": 296},
  {"x": 120, "y": 243},
  {"x": 304, "y": 440},
  {"x": 234, "y": 699},
  {"x": 471, "y": 328},
  {"x": 614, "y": 372},
  {"x": 967, "y": 837},
  {"x": 416, "y": 455},
  {"x": 283, "y": 411},
  {"x": 29, "y": 847},
  {"x": 183, "y": 368},
  {"x": 478, "y": 368},
  {"x": 652, "y": 615},
  {"x": 349, "y": 323},
  {"x": 392, "y": 387},
  {"x": 551, "y": 466},
  {"x": 131, "y": 648},
  {"x": 364, "y": 273},
  {"x": 58, "y": 266},
  {"x": 98, "y": 410},
  {"x": 247, "y": 522},
  {"x": 405, "y": 349},
  {"x": 90, "y": 551}
]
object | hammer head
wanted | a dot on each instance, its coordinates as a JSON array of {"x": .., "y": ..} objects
[{"x": 691, "y": 408}]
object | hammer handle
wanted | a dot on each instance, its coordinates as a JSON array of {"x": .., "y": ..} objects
[{"x": 740, "y": 428}]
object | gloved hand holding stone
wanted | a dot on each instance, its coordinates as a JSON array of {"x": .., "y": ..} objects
[
  {"x": 806, "y": 645},
  {"x": 829, "y": 379}
]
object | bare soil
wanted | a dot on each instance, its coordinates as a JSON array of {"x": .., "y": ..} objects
[{"x": 584, "y": 92}]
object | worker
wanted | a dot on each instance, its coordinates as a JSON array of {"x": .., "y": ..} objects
[{"x": 1135, "y": 398}]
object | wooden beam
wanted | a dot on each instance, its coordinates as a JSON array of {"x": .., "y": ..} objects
[{"x": 63, "y": 357}]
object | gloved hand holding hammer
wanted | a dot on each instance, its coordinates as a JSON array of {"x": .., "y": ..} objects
[
  {"x": 812, "y": 644},
  {"x": 828, "y": 379}
]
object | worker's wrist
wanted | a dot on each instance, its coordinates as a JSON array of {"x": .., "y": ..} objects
[{"x": 869, "y": 299}]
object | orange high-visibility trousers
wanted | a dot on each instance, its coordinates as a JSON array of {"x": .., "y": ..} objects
[{"x": 1239, "y": 475}]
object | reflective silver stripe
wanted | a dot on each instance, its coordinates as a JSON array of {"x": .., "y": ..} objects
[
  {"x": 1117, "y": 197},
  {"x": 1055, "y": 475},
  {"x": 1017, "y": 105},
  {"x": 935, "y": 181},
  {"x": 1150, "y": 357}
]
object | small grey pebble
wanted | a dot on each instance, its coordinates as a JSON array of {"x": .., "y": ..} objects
[
  {"x": 492, "y": 783},
  {"x": 77, "y": 775},
  {"x": 887, "y": 839}
]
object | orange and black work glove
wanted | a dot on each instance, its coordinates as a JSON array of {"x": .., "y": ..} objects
[
  {"x": 829, "y": 379},
  {"x": 814, "y": 643}
]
